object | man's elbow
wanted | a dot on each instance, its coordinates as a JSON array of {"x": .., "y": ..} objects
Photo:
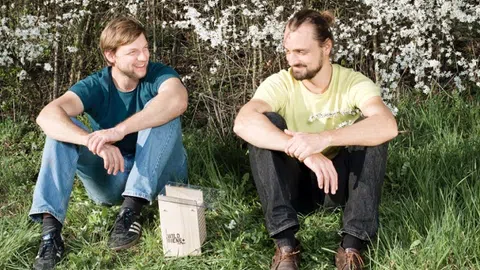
[
  {"x": 182, "y": 105},
  {"x": 393, "y": 130},
  {"x": 40, "y": 118},
  {"x": 238, "y": 126}
]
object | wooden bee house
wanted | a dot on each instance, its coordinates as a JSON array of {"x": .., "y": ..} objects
[{"x": 182, "y": 221}]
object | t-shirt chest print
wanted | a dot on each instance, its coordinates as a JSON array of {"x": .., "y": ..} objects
[{"x": 339, "y": 119}]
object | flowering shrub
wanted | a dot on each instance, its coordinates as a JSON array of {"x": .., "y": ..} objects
[
  {"x": 420, "y": 40},
  {"x": 417, "y": 39},
  {"x": 224, "y": 49}
]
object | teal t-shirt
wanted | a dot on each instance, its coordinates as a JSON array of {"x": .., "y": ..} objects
[{"x": 106, "y": 106}]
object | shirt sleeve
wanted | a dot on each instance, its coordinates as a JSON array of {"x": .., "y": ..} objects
[
  {"x": 363, "y": 91},
  {"x": 274, "y": 92},
  {"x": 162, "y": 73},
  {"x": 89, "y": 90}
]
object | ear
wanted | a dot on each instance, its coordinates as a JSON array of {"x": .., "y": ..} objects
[
  {"x": 327, "y": 47},
  {"x": 109, "y": 56}
]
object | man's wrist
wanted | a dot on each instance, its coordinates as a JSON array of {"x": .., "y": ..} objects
[
  {"x": 121, "y": 129},
  {"x": 84, "y": 139},
  {"x": 328, "y": 136}
]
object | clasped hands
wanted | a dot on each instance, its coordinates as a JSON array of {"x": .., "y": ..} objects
[
  {"x": 308, "y": 147},
  {"x": 101, "y": 142}
]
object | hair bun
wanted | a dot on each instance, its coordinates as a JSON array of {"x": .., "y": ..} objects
[{"x": 328, "y": 17}]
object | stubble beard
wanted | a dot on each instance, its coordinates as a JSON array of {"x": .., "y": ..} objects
[
  {"x": 305, "y": 74},
  {"x": 132, "y": 74}
]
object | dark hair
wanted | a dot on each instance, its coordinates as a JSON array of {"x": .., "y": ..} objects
[{"x": 321, "y": 21}]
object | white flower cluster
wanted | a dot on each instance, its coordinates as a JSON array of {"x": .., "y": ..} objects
[
  {"x": 26, "y": 42},
  {"x": 419, "y": 41},
  {"x": 251, "y": 24},
  {"x": 411, "y": 40},
  {"x": 133, "y": 5},
  {"x": 416, "y": 39},
  {"x": 29, "y": 38}
]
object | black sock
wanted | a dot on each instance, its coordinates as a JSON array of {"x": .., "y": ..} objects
[
  {"x": 285, "y": 238},
  {"x": 350, "y": 241},
  {"x": 134, "y": 203},
  {"x": 50, "y": 224}
]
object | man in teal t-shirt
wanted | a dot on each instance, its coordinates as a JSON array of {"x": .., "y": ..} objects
[{"x": 133, "y": 107}]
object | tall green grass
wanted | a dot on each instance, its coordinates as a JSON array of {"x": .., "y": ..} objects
[{"x": 430, "y": 211}]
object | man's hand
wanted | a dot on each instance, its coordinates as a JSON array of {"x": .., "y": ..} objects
[
  {"x": 112, "y": 159},
  {"x": 96, "y": 140},
  {"x": 302, "y": 145},
  {"x": 323, "y": 168}
]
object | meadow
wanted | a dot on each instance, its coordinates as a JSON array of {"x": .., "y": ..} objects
[
  {"x": 423, "y": 54},
  {"x": 430, "y": 209}
]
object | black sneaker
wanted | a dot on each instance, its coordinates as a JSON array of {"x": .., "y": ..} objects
[
  {"x": 50, "y": 252},
  {"x": 126, "y": 231}
]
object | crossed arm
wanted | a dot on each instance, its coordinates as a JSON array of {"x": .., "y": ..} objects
[
  {"x": 378, "y": 127},
  {"x": 54, "y": 119},
  {"x": 170, "y": 102}
]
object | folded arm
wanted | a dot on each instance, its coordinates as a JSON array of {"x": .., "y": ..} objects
[
  {"x": 378, "y": 127},
  {"x": 54, "y": 119},
  {"x": 170, "y": 102},
  {"x": 255, "y": 128}
]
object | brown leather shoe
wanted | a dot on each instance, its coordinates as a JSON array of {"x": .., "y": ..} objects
[
  {"x": 348, "y": 259},
  {"x": 286, "y": 258}
]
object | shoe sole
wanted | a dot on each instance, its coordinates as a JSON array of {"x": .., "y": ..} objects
[{"x": 126, "y": 246}]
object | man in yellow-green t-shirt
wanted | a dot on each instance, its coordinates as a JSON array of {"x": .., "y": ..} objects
[{"x": 309, "y": 147}]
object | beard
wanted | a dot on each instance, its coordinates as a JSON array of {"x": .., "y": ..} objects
[
  {"x": 305, "y": 73},
  {"x": 302, "y": 71},
  {"x": 132, "y": 74}
]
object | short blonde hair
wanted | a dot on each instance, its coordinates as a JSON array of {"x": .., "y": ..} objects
[{"x": 118, "y": 32}]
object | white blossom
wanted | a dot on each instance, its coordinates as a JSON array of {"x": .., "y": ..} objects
[
  {"x": 22, "y": 75},
  {"x": 231, "y": 225},
  {"x": 186, "y": 78},
  {"x": 47, "y": 67},
  {"x": 72, "y": 49}
]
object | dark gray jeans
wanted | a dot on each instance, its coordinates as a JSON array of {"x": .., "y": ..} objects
[{"x": 286, "y": 186}]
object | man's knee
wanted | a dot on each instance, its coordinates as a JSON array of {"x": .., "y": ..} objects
[
  {"x": 174, "y": 124},
  {"x": 167, "y": 129},
  {"x": 380, "y": 149},
  {"x": 78, "y": 123},
  {"x": 276, "y": 119}
]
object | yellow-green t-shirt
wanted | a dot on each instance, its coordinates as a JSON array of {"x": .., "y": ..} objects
[{"x": 305, "y": 111}]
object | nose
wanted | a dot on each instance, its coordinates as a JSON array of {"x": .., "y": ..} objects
[{"x": 143, "y": 55}]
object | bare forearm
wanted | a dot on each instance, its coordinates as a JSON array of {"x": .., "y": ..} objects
[
  {"x": 373, "y": 130},
  {"x": 157, "y": 113},
  {"x": 56, "y": 124},
  {"x": 257, "y": 130}
]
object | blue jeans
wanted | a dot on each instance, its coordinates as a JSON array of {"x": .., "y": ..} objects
[
  {"x": 159, "y": 158},
  {"x": 286, "y": 186}
]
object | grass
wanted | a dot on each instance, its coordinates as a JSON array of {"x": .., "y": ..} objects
[{"x": 430, "y": 211}]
